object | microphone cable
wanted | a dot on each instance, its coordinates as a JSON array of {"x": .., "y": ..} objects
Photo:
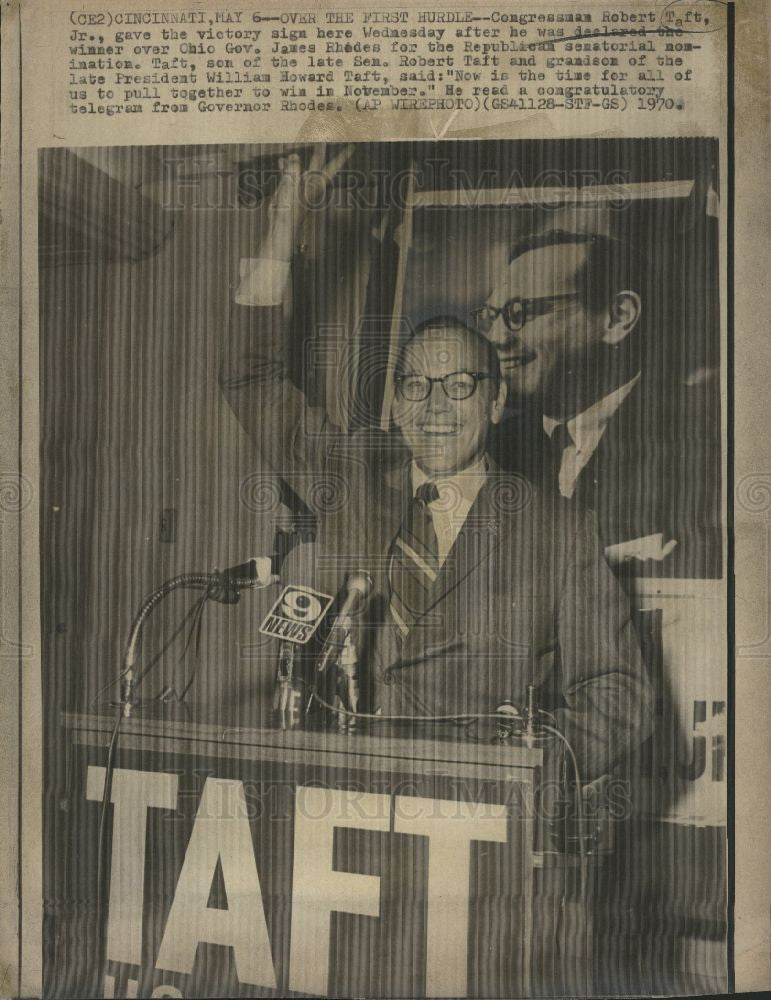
[
  {"x": 167, "y": 645},
  {"x": 583, "y": 860},
  {"x": 101, "y": 934}
]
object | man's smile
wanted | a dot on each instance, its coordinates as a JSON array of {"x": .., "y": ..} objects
[
  {"x": 512, "y": 361},
  {"x": 439, "y": 429}
]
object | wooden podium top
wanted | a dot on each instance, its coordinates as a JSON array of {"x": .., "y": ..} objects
[{"x": 379, "y": 750}]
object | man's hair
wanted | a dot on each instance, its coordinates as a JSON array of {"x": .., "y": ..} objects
[
  {"x": 450, "y": 324},
  {"x": 611, "y": 265}
]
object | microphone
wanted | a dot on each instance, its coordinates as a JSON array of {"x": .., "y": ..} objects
[
  {"x": 257, "y": 571},
  {"x": 357, "y": 586},
  {"x": 224, "y": 586}
]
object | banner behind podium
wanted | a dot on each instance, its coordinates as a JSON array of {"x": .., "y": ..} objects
[{"x": 265, "y": 863}]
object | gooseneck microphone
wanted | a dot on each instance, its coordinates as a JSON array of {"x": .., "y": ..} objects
[
  {"x": 221, "y": 585},
  {"x": 358, "y": 586}
]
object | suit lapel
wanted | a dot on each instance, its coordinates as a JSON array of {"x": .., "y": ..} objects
[
  {"x": 475, "y": 541},
  {"x": 486, "y": 529},
  {"x": 608, "y": 467},
  {"x": 486, "y": 549},
  {"x": 395, "y": 494}
]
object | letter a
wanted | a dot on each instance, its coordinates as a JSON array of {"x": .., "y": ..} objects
[{"x": 221, "y": 833}]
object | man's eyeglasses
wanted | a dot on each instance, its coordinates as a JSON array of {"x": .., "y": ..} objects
[
  {"x": 456, "y": 385},
  {"x": 517, "y": 311}
]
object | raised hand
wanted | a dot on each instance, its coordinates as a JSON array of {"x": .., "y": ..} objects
[{"x": 297, "y": 190}]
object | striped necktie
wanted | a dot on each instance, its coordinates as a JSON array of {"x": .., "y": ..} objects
[{"x": 414, "y": 563}]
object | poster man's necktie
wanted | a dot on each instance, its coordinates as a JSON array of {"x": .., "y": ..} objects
[
  {"x": 565, "y": 478},
  {"x": 414, "y": 561},
  {"x": 560, "y": 440}
]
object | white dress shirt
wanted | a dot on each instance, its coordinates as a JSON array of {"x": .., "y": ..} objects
[
  {"x": 586, "y": 430},
  {"x": 457, "y": 494}
]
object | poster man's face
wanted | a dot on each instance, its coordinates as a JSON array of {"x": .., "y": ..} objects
[
  {"x": 554, "y": 345},
  {"x": 446, "y": 435}
]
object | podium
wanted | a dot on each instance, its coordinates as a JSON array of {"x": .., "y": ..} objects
[{"x": 259, "y": 862}]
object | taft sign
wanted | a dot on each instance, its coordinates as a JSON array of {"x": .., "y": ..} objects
[{"x": 221, "y": 846}]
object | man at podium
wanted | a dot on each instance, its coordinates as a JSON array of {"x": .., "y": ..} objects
[{"x": 483, "y": 584}]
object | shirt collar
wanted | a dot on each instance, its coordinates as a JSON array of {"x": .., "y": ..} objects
[
  {"x": 592, "y": 421},
  {"x": 468, "y": 482}
]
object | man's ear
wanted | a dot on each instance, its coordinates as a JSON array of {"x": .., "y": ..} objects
[
  {"x": 499, "y": 403},
  {"x": 622, "y": 317}
]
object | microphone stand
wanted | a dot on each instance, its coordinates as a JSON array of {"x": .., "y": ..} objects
[{"x": 224, "y": 587}]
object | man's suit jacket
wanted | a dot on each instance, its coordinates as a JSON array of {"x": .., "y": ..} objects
[
  {"x": 524, "y": 597},
  {"x": 656, "y": 470}
]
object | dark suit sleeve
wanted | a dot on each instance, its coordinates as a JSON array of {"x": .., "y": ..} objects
[
  {"x": 291, "y": 436},
  {"x": 605, "y": 687}
]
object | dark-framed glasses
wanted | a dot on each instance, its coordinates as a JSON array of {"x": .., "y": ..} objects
[
  {"x": 457, "y": 385},
  {"x": 517, "y": 311}
]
